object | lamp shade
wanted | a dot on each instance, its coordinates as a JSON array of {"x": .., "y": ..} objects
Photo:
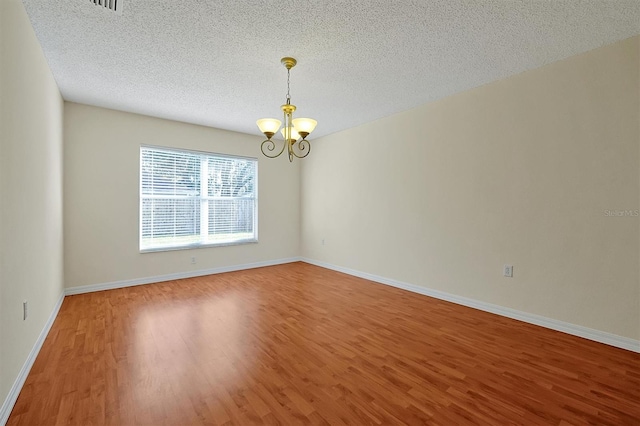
[
  {"x": 305, "y": 124},
  {"x": 294, "y": 133},
  {"x": 268, "y": 125}
]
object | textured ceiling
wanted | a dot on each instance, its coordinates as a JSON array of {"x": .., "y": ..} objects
[{"x": 217, "y": 63}]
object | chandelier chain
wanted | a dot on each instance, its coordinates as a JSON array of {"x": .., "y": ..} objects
[{"x": 288, "y": 89}]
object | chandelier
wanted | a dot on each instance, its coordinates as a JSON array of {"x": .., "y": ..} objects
[{"x": 293, "y": 129}]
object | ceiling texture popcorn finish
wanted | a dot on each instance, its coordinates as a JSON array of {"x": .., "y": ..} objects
[{"x": 216, "y": 63}]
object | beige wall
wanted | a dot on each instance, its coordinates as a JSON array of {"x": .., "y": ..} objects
[
  {"x": 30, "y": 191},
  {"x": 516, "y": 172},
  {"x": 101, "y": 181}
]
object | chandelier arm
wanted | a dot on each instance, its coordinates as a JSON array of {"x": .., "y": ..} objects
[
  {"x": 271, "y": 146},
  {"x": 301, "y": 146}
]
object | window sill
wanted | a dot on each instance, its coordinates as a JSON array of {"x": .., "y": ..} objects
[{"x": 199, "y": 246}]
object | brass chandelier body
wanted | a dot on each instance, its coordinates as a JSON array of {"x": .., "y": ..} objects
[{"x": 294, "y": 131}]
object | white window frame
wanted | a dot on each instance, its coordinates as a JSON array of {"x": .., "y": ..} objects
[{"x": 204, "y": 199}]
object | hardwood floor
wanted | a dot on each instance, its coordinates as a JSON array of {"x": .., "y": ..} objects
[{"x": 298, "y": 344}]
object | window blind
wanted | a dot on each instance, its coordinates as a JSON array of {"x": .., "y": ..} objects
[{"x": 190, "y": 199}]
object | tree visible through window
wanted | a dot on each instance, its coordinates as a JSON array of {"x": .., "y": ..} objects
[{"x": 191, "y": 199}]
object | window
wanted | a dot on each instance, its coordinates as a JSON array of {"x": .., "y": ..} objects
[{"x": 192, "y": 199}]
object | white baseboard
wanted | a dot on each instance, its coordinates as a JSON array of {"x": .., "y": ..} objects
[
  {"x": 12, "y": 397},
  {"x": 177, "y": 276},
  {"x": 565, "y": 327}
]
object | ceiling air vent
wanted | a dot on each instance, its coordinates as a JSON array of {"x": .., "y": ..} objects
[{"x": 112, "y": 5}]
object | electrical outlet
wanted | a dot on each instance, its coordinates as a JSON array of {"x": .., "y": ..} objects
[
  {"x": 25, "y": 310},
  {"x": 508, "y": 271},
  {"x": 193, "y": 260}
]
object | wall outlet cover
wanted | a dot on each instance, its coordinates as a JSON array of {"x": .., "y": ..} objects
[{"x": 508, "y": 271}]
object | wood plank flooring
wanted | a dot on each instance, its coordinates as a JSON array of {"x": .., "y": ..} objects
[{"x": 298, "y": 344}]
